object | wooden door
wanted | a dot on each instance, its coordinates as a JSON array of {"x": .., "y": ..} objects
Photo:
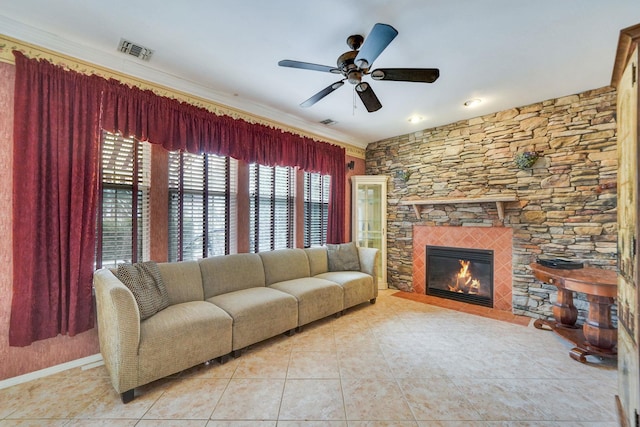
[{"x": 626, "y": 81}]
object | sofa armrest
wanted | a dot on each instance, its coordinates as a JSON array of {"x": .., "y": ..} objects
[
  {"x": 118, "y": 329},
  {"x": 369, "y": 262}
]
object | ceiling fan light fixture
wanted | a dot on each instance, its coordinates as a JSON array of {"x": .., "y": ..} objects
[
  {"x": 354, "y": 77},
  {"x": 474, "y": 102}
]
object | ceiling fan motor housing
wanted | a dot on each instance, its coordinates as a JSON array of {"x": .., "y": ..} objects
[
  {"x": 345, "y": 61},
  {"x": 348, "y": 68}
]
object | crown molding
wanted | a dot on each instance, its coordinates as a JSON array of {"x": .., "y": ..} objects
[{"x": 35, "y": 43}]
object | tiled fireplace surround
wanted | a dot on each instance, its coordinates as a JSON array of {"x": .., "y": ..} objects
[{"x": 498, "y": 239}]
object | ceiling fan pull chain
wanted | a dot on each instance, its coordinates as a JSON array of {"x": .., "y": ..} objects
[{"x": 354, "y": 106}]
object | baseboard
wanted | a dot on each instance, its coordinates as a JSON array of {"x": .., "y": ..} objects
[{"x": 89, "y": 362}]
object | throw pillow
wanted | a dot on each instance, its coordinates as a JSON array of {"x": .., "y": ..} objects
[
  {"x": 145, "y": 282},
  {"x": 343, "y": 257}
]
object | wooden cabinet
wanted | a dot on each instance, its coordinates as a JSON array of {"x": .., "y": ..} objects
[
  {"x": 369, "y": 217},
  {"x": 625, "y": 80}
]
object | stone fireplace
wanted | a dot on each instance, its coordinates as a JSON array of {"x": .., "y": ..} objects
[
  {"x": 497, "y": 240},
  {"x": 564, "y": 205}
]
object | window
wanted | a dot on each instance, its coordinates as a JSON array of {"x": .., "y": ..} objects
[
  {"x": 271, "y": 207},
  {"x": 123, "y": 216},
  {"x": 202, "y": 205},
  {"x": 316, "y": 208}
]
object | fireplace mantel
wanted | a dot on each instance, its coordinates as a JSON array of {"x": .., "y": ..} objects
[{"x": 499, "y": 200}]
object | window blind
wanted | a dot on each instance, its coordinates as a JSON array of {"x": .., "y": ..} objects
[
  {"x": 123, "y": 225},
  {"x": 316, "y": 208},
  {"x": 271, "y": 207},
  {"x": 202, "y": 205}
]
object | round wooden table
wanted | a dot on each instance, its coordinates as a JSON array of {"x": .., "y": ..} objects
[{"x": 598, "y": 336}]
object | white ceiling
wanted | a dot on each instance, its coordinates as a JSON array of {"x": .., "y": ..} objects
[{"x": 509, "y": 53}]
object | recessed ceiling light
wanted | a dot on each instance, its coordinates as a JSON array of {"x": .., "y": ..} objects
[
  {"x": 415, "y": 119},
  {"x": 472, "y": 102}
]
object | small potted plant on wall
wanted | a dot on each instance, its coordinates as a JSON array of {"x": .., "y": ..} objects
[
  {"x": 404, "y": 175},
  {"x": 526, "y": 159}
]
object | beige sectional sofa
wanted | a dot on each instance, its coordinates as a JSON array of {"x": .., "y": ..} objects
[{"x": 218, "y": 306}]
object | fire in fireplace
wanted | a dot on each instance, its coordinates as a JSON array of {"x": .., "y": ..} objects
[{"x": 460, "y": 274}]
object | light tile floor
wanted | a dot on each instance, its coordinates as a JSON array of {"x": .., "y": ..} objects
[{"x": 396, "y": 363}]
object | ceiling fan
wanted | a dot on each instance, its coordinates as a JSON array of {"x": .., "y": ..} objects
[{"x": 356, "y": 63}]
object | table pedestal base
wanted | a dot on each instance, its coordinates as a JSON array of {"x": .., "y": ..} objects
[
  {"x": 575, "y": 335},
  {"x": 597, "y": 336}
]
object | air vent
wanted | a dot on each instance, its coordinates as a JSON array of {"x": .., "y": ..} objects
[
  {"x": 328, "y": 122},
  {"x": 136, "y": 50}
]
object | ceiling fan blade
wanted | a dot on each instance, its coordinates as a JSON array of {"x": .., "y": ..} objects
[
  {"x": 308, "y": 66},
  {"x": 379, "y": 38},
  {"x": 368, "y": 97},
  {"x": 424, "y": 75},
  {"x": 324, "y": 92}
]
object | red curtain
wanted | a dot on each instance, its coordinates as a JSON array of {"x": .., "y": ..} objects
[
  {"x": 177, "y": 125},
  {"x": 55, "y": 189}
]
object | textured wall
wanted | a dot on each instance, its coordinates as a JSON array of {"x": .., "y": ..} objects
[
  {"x": 566, "y": 201},
  {"x": 42, "y": 354}
]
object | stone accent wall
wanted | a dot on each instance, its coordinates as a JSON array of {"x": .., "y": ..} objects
[{"x": 566, "y": 202}]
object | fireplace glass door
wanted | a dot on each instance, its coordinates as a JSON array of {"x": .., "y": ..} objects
[{"x": 460, "y": 274}]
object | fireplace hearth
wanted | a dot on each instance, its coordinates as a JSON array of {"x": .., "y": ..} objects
[{"x": 460, "y": 274}]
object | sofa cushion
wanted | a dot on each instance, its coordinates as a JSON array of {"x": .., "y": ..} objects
[
  {"x": 258, "y": 313},
  {"x": 182, "y": 280},
  {"x": 284, "y": 264},
  {"x": 318, "y": 262},
  {"x": 317, "y": 298},
  {"x": 145, "y": 282},
  {"x": 228, "y": 273},
  {"x": 343, "y": 257},
  {"x": 358, "y": 287},
  {"x": 181, "y": 336}
]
